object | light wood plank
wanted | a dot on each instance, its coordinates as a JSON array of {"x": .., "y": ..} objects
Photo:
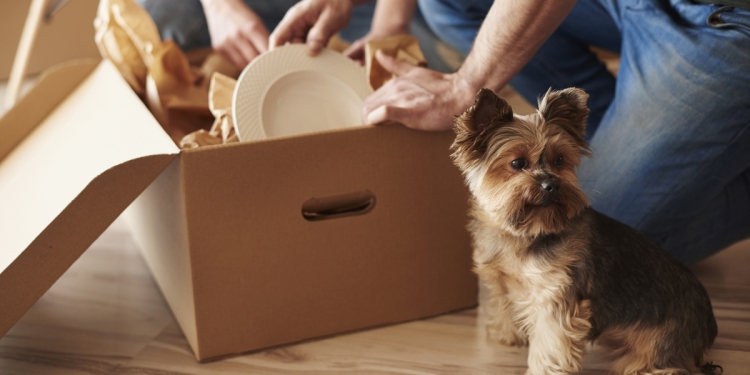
[{"x": 105, "y": 316}]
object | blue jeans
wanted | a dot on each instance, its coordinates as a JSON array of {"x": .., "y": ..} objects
[
  {"x": 671, "y": 133},
  {"x": 184, "y": 22}
]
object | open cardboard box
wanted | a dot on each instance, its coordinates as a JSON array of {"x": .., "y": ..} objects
[
  {"x": 253, "y": 244},
  {"x": 64, "y": 34}
]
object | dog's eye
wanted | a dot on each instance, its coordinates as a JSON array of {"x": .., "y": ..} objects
[
  {"x": 518, "y": 164},
  {"x": 559, "y": 161}
]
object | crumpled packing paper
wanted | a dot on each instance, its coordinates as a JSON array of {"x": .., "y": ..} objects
[
  {"x": 220, "y": 103},
  {"x": 403, "y": 47},
  {"x": 126, "y": 35},
  {"x": 175, "y": 92}
]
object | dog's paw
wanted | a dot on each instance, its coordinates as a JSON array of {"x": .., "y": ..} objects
[{"x": 507, "y": 336}]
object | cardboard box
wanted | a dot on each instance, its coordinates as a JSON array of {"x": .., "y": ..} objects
[
  {"x": 66, "y": 34},
  {"x": 253, "y": 244}
]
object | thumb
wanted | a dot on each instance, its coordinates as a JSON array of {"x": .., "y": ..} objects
[
  {"x": 386, "y": 113},
  {"x": 389, "y": 63},
  {"x": 356, "y": 50}
]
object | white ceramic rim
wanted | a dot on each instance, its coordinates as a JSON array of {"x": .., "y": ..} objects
[{"x": 258, "y": 77}]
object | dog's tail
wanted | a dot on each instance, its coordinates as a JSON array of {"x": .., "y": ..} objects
[{"x": 711, "y": 369}]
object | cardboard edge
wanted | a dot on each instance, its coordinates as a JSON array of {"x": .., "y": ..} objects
[
  {"x": 391, "y": 126},
  {"x": 196, "y": 335},
  {"x": 158, "y": 223},
  {"x": 53, "y": 87},
  {"x": 56, "y": 248},
  {"x": 345, "y": 333}
]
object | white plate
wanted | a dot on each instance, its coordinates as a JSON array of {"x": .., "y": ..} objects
[{"x": 285, "y": 92}]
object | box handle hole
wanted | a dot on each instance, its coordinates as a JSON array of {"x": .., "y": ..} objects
[{"x": 340, "y": 205}]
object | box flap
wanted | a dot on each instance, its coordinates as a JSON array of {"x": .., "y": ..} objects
[
  {"x": 77, "y": 169},
  {"x": 52, "y": 87},
  {"x": 64, "y": 35}
]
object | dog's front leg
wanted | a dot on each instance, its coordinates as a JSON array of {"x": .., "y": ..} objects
[
  {"x": 557, "y": 338},
  {"x": 499, "y": 316}
]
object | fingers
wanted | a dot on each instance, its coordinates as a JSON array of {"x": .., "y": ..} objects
[
  {"x": 399, "y": 68},
  {"x": 356, "y": 51},
  {"x": 314, "y": 21},
  {"x": 258, "y": 37},
  {"x": 321, "y": 32},
  {"x": 386, "y": 113},
  {"x": 240, "y": 51},
  {"x": 247, "y": 51},
  {"x": 293, "y": 26},
  {"x": 251, "y": 43},
  {"x": 237, "y": 33},
  {"x": 233, "y": 55},
  {"x": 419, "y": 100}
]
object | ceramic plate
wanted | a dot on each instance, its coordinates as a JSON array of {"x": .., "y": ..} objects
[{"x": 286, "y": 92}]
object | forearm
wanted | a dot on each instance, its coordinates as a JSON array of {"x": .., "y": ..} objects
[
  {"x": 510, "y": 35},
  {"x": 393, "y": 16},
  {"x": 209, "y": 3}
]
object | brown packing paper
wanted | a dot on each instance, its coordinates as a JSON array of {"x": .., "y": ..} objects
[
  {"x": 126, "y": 35},
  {"x": 172, "y": 84},
  {"x": 403, "y": 47},
  {"x": 178, "y": 94},
  {"x": 175, "y": 91},
  {"x": 220, "y": 104},
  {"x": 337, "y": 44}
]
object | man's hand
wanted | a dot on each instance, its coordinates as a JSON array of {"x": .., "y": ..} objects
[
  {"x": 418, "y": 98},
  {"x": 312, "y": 21},
  {"x": 237, "y": 33},
  {"x": 392, "y": 17},
  {"x": 424, "y": 99},
  {"x": 356, "y": 51}
]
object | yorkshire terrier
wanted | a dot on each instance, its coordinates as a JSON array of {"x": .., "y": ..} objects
[{"x": 561, "y": 275}]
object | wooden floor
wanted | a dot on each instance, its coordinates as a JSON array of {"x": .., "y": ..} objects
[{"x": 106, "y": 316}]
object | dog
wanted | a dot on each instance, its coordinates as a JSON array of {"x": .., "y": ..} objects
[{"x": 561, "y": 275}]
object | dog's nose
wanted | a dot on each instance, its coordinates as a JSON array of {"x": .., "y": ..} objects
[{"x": 550, "y": 186}]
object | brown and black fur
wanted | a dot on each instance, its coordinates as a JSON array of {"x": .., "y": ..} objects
[{"x": 559, "y": 273}]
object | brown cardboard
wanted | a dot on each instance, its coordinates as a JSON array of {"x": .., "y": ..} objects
[
  {"x": 50, "y": 90},
  {"x": 58, "y": 188},
  {"x": 223, "y": 232},
  {"x": 67, "y": 35}
]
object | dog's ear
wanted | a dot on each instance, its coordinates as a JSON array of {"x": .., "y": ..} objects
[
  {"x": 567, "y": 109},
  {"x": 488, "y": 111},
  {"x": 474, "y": 127}
]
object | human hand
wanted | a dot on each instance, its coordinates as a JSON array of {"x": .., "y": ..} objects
[
  {"x": 418, "y": 97},
  {"x": 237, "y": 33},
  {"x": 392, "y": 17},
  {"x": 356, "y": 51},
  {"x": 313, "y": 22}
]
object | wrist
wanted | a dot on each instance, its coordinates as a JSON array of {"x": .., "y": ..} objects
[
  {"x": 389, "y": 27},
  {"x": 469, "y": 82},
  {"x": 381, "y": 33},
  {"x": 214, "y": 4},
  {"x": 392, "y": 17}
]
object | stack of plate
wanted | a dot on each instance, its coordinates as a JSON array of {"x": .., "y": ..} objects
[{"x": 286, "y": 92}]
